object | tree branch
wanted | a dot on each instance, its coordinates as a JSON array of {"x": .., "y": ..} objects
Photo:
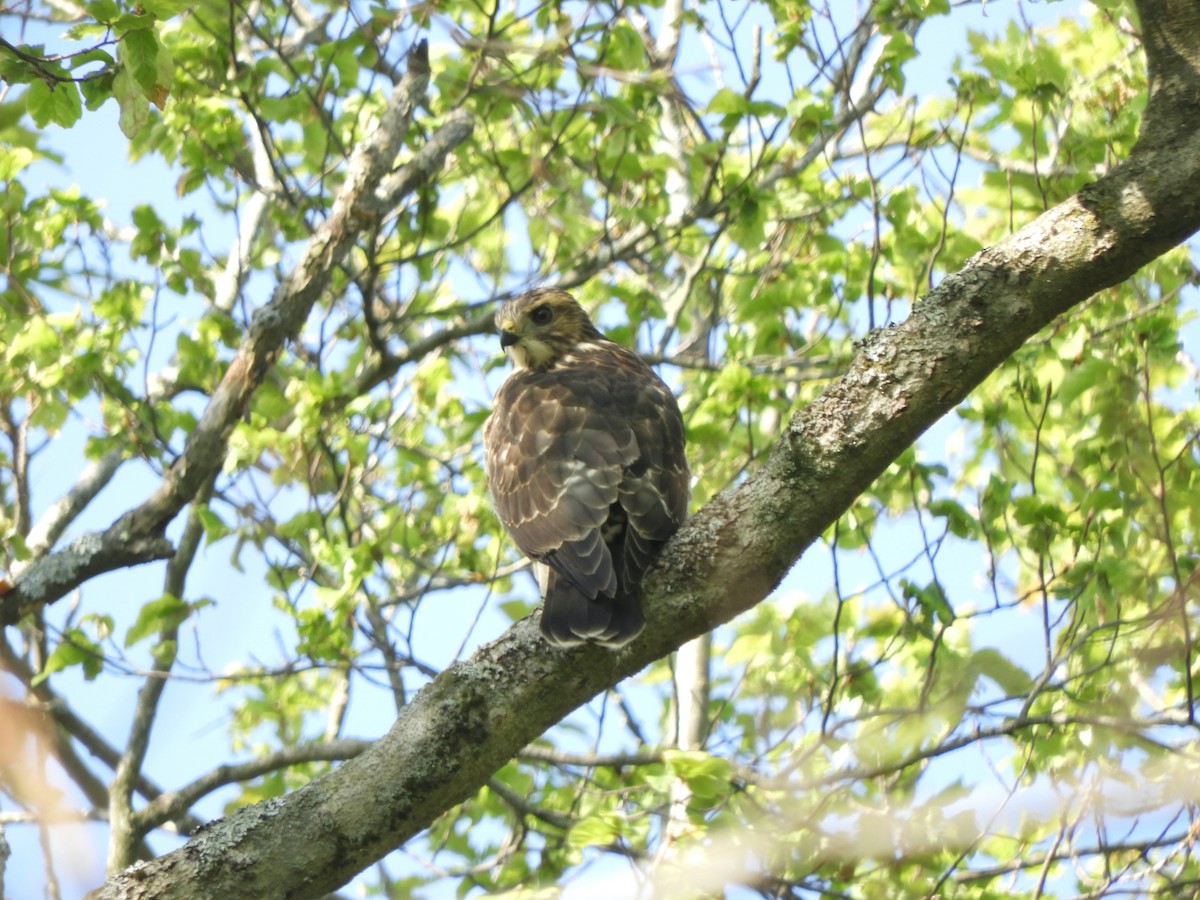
[
  {"x": 95, "y": 476},
  {"x": 136, "y": 536},
  {"x": 125, "y": 841},
  {"x": 64, "y": 725},
  {"x": 93, "y": 554},
  {"x": 172, "y": 804}
]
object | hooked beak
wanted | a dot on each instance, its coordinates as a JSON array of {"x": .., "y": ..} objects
[{"x": 508, "y": 338}]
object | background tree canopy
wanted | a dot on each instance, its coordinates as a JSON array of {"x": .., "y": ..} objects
[{"x": 245, "y": 528}]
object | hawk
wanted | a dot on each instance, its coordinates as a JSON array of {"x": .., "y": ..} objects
[{"x": 585, "y": 462}]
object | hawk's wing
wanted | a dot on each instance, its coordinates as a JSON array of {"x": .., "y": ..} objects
[
  {"x": 554, "y": 455},
  {"x": 595, "y": 443},
  {"x": 654, "y": 490}
]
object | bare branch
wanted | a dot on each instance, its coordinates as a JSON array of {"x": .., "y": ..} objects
[
  {"x": 55, "y": 520},
  {"x": 125, "y": 839},
  {"x": 136, "y": 536},
  {"x": 54, "y": 575},
  {"x": 170, "y": 805}
]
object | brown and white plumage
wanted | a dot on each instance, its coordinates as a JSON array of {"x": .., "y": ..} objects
[{"x": 584, "y": 453}]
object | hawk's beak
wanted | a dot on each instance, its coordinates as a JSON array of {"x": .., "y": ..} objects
[{"x": 508, "y": 338}]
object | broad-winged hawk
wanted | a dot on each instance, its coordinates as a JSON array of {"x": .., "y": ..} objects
[{"x": 584, "y": 453}]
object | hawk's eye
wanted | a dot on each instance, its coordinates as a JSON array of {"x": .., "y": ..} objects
[{"x": 541, "y": 315}]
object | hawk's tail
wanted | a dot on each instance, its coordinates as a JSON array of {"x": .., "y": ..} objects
[{"x": 570, "y": 617}]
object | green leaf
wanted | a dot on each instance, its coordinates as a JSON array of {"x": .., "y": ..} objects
[
  {"x": 95, "y": 55},
  {"x": 96, "y": 91},
  {"x": 165, "y": 9},
  {"x": 931, "y": 598},
  {"x": 1036, "y": 510},
  {"x": 164, "y": 77},
  {"x": 75, "y": 649},
  {"x": 103, "y": 11},
  {"x": 1010, "y": 677},
  {"x": 135, "y": 110},
  {"x": 960, "y": 523},
  {"x": 163, "y": 614},
  {"x": 593, "y": 831},
  {"x": 214, "y": 526},
  {"x": 727, "y": 101},
  {"x": 692, "y": 764},
  {"x": 163, "y": 653},
  {"x": 12, "y": 161},
  {"x": 133, "y": 21},
  {"x": 1082, "y": 378},
  {"x": 139, "y": 52},
  {"x": 16, "y": 71},
  {"x": 748, "y": 646},
  {"x": 624, "y": 50},
  {"x": 59, "y": 104},
  {"x": 515, "y": 609},
  {"x": 36, "y": 337}
]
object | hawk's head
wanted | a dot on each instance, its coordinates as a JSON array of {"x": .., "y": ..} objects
[{"x": 541, "y": 326}]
